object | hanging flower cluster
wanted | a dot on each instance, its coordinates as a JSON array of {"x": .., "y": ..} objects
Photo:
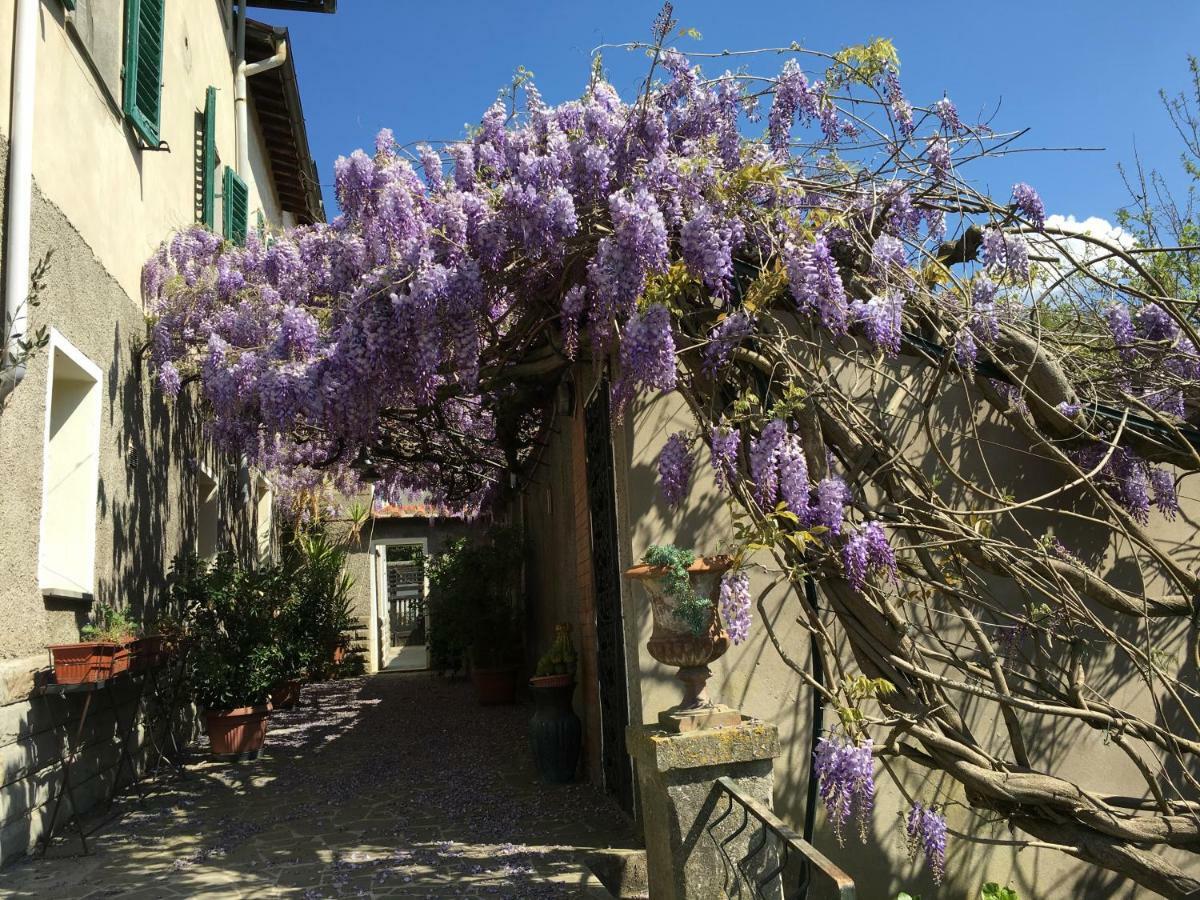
[
  {"x": 846, "y": 775},
  {"x": 926, "y": 830}
]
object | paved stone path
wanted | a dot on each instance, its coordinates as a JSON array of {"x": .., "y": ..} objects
[{"x": 391, "y": 786}]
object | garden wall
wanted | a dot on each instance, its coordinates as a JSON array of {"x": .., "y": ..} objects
[{"x": 754, "y": 678}]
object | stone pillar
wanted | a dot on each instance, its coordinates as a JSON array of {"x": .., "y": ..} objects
[{"x": 677, "y": 774}]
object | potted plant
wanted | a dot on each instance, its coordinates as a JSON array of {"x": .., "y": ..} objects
[
  {"x": 687, "y": 633},
  {"x": 476, "y": 609},
  {"x": 104, "y": 652},
  {"x": 555, "y": 732},
  {"x": 321, "y": 615},
  {"x": 234, "y": 656}
]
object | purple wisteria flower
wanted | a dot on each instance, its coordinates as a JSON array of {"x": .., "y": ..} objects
[
  {"x": 815, "y": 282},
  {"x": 1125, "y": 477},
  {"x": 1155, "y": 323},
  {"x": 792, "y": 96},
  {"x": 1069, "y": 409},
  {"x": 707, "y": 243},
  {"x": 1164, "y": 492},
  {"x": 846, "y": 781},
  {"x": 1005, "y": 254},
  {"x": 887, "y": 254},
  {"x": 764, "y": 463},
  {"x": 867, "y": 552},
  {"x": 574, "y": 305},
  {"x": 1029, "y": 204},
  {"x": 901, "y": 109},
  {"x": 675, "y": 469},
  {"x": 648, "y": 349},
  {"x": 926, "y": 830},
  {"x": 724, "y": 337},
  {"x": 938, "y": 151},
  {"x": 724, "y": 444},
  {"x": 1120, "y": 326},
  {"x": 735, "y": 605},
  {"x": 881, "y": 320},
  {"x": 794, "y": 486},
  {"x": 830, "y": 510},
  {"x": 945, "y": 110},
  {"x": 169, "y": 381}
]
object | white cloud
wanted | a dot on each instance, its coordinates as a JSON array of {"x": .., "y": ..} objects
[
  {"x": 1095, "y": 226},
  {"x": 1053, "y": 266}
]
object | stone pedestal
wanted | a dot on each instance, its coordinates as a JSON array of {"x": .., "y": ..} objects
[{"x": 677, "y": 774}]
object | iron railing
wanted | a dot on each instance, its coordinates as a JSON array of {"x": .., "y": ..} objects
[{"x": 763, "y": 859}]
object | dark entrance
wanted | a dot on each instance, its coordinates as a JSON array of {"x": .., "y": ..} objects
[{"x": 606, "y": 574}]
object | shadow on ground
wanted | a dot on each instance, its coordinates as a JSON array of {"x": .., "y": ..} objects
[{"x": 392, "y": 786}]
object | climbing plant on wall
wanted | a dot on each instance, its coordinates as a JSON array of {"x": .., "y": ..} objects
[{"x": 854, "y": 327}]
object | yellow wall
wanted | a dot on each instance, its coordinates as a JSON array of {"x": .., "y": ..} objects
[{"x": 122, "y": 199}]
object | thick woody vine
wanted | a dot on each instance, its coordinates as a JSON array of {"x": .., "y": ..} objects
[{"x": 855, "y": 329}]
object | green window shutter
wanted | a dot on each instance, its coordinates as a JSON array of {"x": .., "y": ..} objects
[
  {"x": 69, "y": 4},
  {"x": 208, "y": 159},
  {"x": 143, "y": 66},
  {"x": 236, "y": 200}
]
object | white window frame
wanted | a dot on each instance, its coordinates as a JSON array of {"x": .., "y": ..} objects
[{"x": 59, "y": 344}]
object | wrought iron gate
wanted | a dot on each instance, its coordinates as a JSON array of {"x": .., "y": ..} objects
[{"x": 606, "y": 575}]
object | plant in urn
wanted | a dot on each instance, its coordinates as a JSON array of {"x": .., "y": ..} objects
[{"x": 687, "y": 632}]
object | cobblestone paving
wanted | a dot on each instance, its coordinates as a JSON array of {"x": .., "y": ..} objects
[{"x": 392, "y": 786}]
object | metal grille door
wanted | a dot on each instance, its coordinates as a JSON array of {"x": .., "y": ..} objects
[
  {"x": 606, "y": 574},
  {"x": 406, "y": 602}
]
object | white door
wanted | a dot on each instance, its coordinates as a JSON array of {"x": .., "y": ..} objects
[{"x": 401, "y": 616}]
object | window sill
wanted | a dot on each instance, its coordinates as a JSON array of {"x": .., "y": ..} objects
[{"x": 61, "y": 593}]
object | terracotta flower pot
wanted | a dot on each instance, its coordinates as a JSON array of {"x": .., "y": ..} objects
[
  {"x": 237, "y": 732},
  {"x": 494, "y": 686},
  {"x": 86, "y": 661},
  {"x": 672, "y": 641},
  {"x": 285, "y": 694}
]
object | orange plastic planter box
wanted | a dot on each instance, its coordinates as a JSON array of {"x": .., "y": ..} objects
[{"x": 89, "y": 661}]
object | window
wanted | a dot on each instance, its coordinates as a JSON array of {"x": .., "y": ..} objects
[
  {"x": 236, "y": 202},
  {"x": 71, "y": 471},
  {"x": 143, "y": 66},
  {"x": 208, "y": 160},
  {"x": 208, "y": 513}
]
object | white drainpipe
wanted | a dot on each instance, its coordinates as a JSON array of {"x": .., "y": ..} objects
[
  {"x": 243, "y": 71},
  {"x": 20, "y": 189}
]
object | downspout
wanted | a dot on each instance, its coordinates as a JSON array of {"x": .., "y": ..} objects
[
  {"x": 242, "y": 71},
  {"x": 20, "y": 192}
]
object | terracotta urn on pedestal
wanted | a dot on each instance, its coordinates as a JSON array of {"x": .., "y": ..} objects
[{"x": 674, "y": 643}]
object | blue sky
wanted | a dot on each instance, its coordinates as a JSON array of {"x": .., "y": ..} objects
[{"x": 1076, "y": 73}]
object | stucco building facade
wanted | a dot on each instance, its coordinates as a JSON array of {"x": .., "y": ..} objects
[{"x": 104, "y": 483}]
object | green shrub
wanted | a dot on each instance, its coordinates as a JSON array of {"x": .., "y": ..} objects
[{"x": 475, "y": 601}]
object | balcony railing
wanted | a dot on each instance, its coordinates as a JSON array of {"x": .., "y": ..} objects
[{"x": 763, "y": 859}]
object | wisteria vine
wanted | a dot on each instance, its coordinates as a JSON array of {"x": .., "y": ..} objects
[{"x": 845, "y": 316}]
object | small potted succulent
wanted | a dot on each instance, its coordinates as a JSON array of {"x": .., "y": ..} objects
[
  {"x": 234, "y": 654},
  {"x": 104, "y": 652},
  {"x": 555, "y": 732}
]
